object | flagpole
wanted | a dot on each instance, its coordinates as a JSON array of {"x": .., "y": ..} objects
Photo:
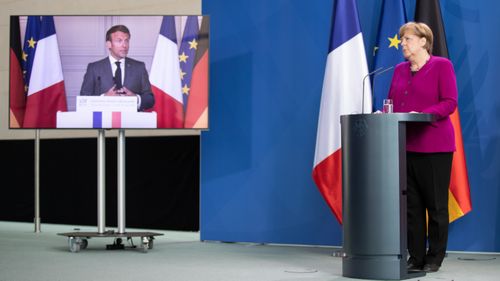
[{"x": 37, "y": 181}]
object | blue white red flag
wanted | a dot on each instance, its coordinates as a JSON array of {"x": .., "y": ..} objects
[
  {"x": 43, "y": 74},
  {"x": 342, "y": 93},
  {"x": 165, "y": 78}
]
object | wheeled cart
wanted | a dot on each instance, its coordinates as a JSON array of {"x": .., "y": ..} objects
[{"x": 79, "y": 240}]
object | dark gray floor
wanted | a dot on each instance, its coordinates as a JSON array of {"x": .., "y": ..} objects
[{"x": 25, "y": 255}]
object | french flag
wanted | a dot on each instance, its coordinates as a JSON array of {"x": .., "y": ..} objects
[
  {"x": 165, "y": 78},
  {"x": 342, "y": 94},
  {"x": 107, "y": 120},
  {"x": 46, "y": 94}
]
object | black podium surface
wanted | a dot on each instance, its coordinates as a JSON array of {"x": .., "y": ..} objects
[{"x": 374, "y": 195}]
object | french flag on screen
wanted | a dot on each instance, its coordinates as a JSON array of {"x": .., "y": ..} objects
[
  {"x": 46, "y": 94},
  {"x": 342, "y": 94},
  {"x": 106, "y": 120},
  {"x": 165, "y": 78}
]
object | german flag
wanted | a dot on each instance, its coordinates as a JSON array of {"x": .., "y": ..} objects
[
  {"x": 17, "y": 93},
  {"x": 459, "y": 202}
]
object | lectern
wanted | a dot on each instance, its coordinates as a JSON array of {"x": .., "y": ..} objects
[{"x": 374, "y": 195}]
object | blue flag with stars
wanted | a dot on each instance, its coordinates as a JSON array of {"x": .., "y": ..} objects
[
  {"x": 387, "y": 50},
  {"x": 33, "y": 27},
  {"x": 187, "y": 54}
]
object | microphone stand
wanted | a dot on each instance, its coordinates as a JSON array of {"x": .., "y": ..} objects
[
  {"x": 376, "y": 72},
  {"x": 363, "y": 92}
]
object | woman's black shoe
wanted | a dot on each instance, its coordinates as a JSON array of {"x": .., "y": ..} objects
[
  {"x": 430, "y": 267},
  {"x": 413, "y": 266}
]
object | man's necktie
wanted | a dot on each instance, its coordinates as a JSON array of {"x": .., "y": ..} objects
[{"x": 118, "y": 76}]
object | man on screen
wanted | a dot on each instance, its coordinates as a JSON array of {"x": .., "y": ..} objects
[{"x": 118, "y": 75}]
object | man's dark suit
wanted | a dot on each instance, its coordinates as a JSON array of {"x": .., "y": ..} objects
[{"x": 99, "y": 79}]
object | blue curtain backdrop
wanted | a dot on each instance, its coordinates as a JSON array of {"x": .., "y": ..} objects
[{"x": 267, "y": 67}]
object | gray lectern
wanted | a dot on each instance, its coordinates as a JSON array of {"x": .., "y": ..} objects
[{"x": 374, "y": 195}]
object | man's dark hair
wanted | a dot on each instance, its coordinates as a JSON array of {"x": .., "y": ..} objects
[{"x": 116, "y": 28}]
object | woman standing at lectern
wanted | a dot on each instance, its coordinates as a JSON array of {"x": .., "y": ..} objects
[{"x": 426, "y": 84}]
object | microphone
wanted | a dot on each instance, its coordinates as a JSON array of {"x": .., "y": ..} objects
[{"x": 376, "y": 72}]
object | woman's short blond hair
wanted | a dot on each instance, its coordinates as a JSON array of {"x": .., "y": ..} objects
[{"x": 421, "y": 30}]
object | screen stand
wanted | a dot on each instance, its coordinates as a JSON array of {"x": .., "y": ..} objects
[
  {"x": 101, "y": 182},
  {"x": 37, "y": 182},
  {"x": 78, "y": 240},
  {"x": 121, "y": 181}
]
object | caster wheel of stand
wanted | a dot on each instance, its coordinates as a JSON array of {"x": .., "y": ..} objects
[
  {"x": 150, "y": 242},
  {"x": 84, "y": 244},
  {"x": 145, "y": 244},
  {"x": 74, "y": 244}
]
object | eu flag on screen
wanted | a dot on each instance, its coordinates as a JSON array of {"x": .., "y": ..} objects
[
  {"x": 197, "y": 107},
  {"x": 187, "y": 54},
  {"x": 31, "y": 39},
  {"x": 387, "y": 50}
]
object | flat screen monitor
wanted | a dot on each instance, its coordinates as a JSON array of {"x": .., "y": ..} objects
[{"x": 109, "y": 71}]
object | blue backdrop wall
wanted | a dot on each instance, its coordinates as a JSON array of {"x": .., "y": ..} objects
[{"x": 267, "y": 66}]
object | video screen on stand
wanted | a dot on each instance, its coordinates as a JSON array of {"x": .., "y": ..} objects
[{"x": 109, "y": 71}]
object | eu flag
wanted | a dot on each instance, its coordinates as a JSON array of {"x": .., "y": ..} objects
[
  {"x": 187, "y": 53},
  {"x": 32, "y": 36},
  {"x": 387, "y": 52}
]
